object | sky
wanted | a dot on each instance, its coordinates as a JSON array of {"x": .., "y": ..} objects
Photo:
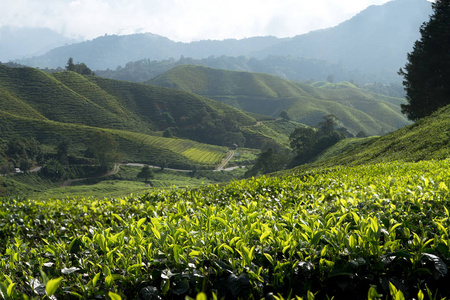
[{"x": 180, "y": 20}]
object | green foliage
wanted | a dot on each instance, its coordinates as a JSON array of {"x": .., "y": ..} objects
[
  {"x": 53, "y": 169},
  {"x": 79, "y": 68},
  {"x": 23, "y": 153},
  {"x": 308, "y": 142},
  {"x": 146, "y": 173},
  {"x": 103, "y": 147},
  {"x": 424, "y": 140},
  {"x": 345, "y": 233},
  {"x": 428, "y": 69},
  {"x": 285, "y": 116},
  {"x": 270, "y": 95}
]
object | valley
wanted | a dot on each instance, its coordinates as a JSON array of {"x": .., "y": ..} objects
[{"x": 303, "y": 167}]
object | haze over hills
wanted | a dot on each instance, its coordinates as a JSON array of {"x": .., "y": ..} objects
[
  {"x": 375, "y": 40},
  {"x": 20, "y": 43},
  {"x": 269, "y": 95}
]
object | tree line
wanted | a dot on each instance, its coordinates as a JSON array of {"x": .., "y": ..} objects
[{"x": 306, "y": 143}]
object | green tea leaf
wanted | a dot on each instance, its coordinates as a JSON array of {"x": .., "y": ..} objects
[
  {"x": 11, "y": 289},
  {"x": 114, "y": 296},
  {"x": 140, "y": 222},
  {"x": 201, "y": 296},
  {"x": 52, "y": 285}
]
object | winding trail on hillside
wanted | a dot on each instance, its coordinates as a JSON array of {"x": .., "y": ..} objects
[
  {"x": 115, "y": 170},
  {"x": 224, "y": 162}
]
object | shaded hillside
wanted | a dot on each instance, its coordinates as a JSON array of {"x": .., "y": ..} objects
[
  {"x": 133, "y": 146},
  {"x": 68, "y": 97},
  {"x": 152, "y": 124},
  {"x": 426, "y": 139},
  {"x": 270, "y": 95}
]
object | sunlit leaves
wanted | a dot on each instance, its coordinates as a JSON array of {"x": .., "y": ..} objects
[
  {"x": 361, "y": 227},
  {"x": 52, "y": 285}
]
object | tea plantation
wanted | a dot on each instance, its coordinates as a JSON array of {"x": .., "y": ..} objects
[{"x": 377, "y": 231}]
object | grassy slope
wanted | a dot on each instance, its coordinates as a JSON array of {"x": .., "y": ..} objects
[
  {"x": 426, "y": 139},
  {"x": 28, "y": 95},
  {"x": 269, "y": 95},
  {"x": 134, "y": 146},
  {"x": 71, "y": 98},
  {"x": 68, "y": 97}
]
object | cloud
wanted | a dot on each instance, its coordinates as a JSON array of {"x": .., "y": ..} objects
[{"x": 181, "y": 20}]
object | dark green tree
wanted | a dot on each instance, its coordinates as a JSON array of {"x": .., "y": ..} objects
[
  {"x": 62, "y": 150},
  {"x": 303, "y": 140},
  {"x": 284, "y": 115},
  {"x": 427, "y": 72},
  {"x": 24, "y": 153},
  {"x": 70, "y": 65},
  {"x": 168, "y": 133},
  {"x": 103, "y": 148},
  {"x": 146, "y": 173},
  {"x": 327, "y": 127},
  {"x": 80, "y": 68},
  {"x": 53, "y": 169}
]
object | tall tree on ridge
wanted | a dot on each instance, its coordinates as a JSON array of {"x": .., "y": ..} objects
[{"x": 427, "y": 73}]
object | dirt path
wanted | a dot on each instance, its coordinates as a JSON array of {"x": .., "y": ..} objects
[
  {"x": 225, "y": 161},
  {"x": 115, "y": 170},
  {"x": 117, "y": 167}
]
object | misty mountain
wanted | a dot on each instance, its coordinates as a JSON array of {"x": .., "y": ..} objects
[
  {"x": 287, "y": 67},
  {"x": 375, "y": 40},
  {"x": 110, "y": 51},
  {"x": 16, "y": 43}
]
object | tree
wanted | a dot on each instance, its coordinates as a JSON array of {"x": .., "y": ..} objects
[
  {"x": 427, "y": 72},
  {"x": 145, "y": 173},
  {"x": 303, "y": 140},
  {"x": 62, "y": 150},
  {"x": 284, "y": 115},
  {"x": 309, "y": 142},
  {"x": 80, "y": 68},
  {"x": 103, "y": 147},
  {"x": 53, "y": 169},
  {"x": 168, "y": 133},
  {"x": 330, "y": 78},
  {"x": 327, "y": 127},
  {"x": 24, "y": 152},
  {"x": 70, "y": 65}
]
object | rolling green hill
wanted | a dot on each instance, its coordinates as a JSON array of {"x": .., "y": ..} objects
[
  {"x": 269, "y": 95},
  {"x": 49, "y": 106},
  {"x": 139, "y": 147},
  {"x": 426, "y": 139},
  {"x": 71, "y": 98}
]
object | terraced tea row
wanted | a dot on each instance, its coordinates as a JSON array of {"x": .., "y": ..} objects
[{"x": 370, "y": 231}]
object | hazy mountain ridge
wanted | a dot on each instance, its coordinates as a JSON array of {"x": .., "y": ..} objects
[
  {"x": 287, "y": 67},
  {"x": 269, "y": 95},
  {"x": 377, "y": 39},
  {"x": 373, "y": 41},
  {"x": 19, "y": 43}
]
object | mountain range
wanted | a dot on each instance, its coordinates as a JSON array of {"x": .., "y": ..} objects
[{"x": 374, "y": 41}]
